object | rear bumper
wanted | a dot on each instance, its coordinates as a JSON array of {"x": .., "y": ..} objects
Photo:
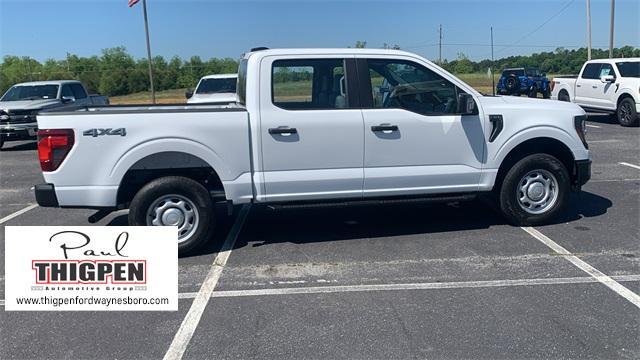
[
  {"x": 25, "y": 131},
  {"x": 46, "y": 195},
  {"x": 582, "y": 173}
]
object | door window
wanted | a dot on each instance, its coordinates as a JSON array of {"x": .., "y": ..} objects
[
  {"x": 606, "y": 69},
  {"x": 66, "y": 91},
  {"x": 406, "y": 85},
  {"x": 591, "y": 71},
  {"x": 78, "y": 91},
  {"x": 309, "y": 84}
]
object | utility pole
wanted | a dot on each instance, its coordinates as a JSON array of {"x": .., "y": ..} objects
[
  {"x": 613, "y": 10},
  {"x": 588, "y": 29},
  {"x": 493, "y": 80},
  {"x": 440, "y": 47},
  {"x": 146, "y": 28}
]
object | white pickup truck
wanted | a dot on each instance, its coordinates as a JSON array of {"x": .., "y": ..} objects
[
  {"x": 604, "y": 85},
  {"x": 316, "y": 126},
  {"x": 220, "y": 88}
]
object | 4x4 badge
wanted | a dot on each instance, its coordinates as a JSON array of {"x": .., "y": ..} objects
[{"x": 101, "y": 132}]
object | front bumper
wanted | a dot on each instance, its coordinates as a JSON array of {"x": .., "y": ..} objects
[
  {"x": 46, "y": 195},
  {"x": 581, "y": 173},
  {"x": 27, "y": 131}
]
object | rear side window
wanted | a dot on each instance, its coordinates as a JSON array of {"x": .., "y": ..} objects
[
  {"x": 629, "y": 69},
  {"x": 78, "y": 91},
  {"x": 591, "y": 71},
  {"x": 516, "y": 72},
  {"x": 307, "y": 84},
  {"x": 217, "y": 86}
]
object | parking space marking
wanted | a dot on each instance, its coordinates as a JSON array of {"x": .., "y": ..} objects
[
  {"x": 17, "y": 213},
  {"x": 411, "y": 286},
  {"x": 630, "y": 165},
  {"x": 594, "y": 126},
  {"x": 595, "y": 273},
  {"x": 190, "y": 322}
]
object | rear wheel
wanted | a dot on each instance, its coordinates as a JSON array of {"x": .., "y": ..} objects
[
  {"x": 546, "y": 94},
  {"x": 175, "y": 201},
  {"x": 533, "y": 92},
  {"x": 535, "y": 190},
  {"x": 564, "y": 96},
  {"x": 626, "y": 113}
]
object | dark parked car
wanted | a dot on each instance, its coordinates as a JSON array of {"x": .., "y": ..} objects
[{"x": 518, "y": 81}]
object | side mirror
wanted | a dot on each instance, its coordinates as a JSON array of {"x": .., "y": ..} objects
[
  {"x": 607, "y": 79},
  {"x": 68, "y": 99},
  {"x": 466, "y": 105},
  {"x": 188, "y": 94}
]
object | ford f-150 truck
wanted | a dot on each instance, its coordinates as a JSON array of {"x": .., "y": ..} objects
[
  {"x": 307, "y": 128},
  {"x": 20, "y": 104},
  {"x": 604, "y": 85}
]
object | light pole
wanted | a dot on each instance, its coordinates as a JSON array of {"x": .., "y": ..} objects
[
  {"x": 588, "y": 29},
  {"x": 613, "y": 10}
]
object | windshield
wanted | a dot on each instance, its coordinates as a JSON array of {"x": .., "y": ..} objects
[
  {"x": 629, "y": 69},
  {"x": 31, "y": 92},
  {"x": 214, "y": 86}
]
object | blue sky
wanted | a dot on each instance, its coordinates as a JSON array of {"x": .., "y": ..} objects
[{"x": 50, "y": 29}]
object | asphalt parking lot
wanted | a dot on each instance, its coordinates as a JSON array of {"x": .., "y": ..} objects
[{"x": 384, "y": 282}]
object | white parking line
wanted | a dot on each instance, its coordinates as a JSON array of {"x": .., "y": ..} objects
[
  {"x": 630, "y": 165},
  {"x": 595, "y": 273},
  {"x": 17, "y": 213},
  {"x": 190, "y": 322},
  {"x": 400, "y": 287},
  {"x": 594, "y": 126},
  {"x": 413, "y": 286}
]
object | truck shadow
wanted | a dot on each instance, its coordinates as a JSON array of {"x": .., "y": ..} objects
[
  {"x": 265, "y": 226},
  {"x": 300, "y": 226},
  {"x": 602, "y": 118}
]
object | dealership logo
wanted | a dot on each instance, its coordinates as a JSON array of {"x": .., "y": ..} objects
[{"x": 103, "y": 266}]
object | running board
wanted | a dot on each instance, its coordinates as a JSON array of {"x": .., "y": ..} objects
[{"x": 449, "y": 198}]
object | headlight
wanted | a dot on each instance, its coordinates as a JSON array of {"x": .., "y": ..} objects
[
  {"x": 580, "y": 123},
  {"x": 3, "y": 115}
]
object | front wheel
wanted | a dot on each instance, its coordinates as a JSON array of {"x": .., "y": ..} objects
[
  {"x": 533, "y": 92},
  {"x": 535, "y": 190},
  {"x": 175, "y": 201}
]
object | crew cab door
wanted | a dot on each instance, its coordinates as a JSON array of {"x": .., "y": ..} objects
[
  {"x": 311, "y": 128},
  {"x": 605, "y": 95},
  {"x": 415, "y": 143},
  {"x": 589, "y": 86}
]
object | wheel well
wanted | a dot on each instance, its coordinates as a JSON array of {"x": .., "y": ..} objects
[
  {"x": 622, "y": 97},
  {"x": 153, "y": 167},
  {"x": 543, "y": 145},
  {"x": 563, "y": 91}
]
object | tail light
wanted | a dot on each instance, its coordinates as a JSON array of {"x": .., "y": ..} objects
[
  {"x": 580, "y": 123},
  {"x": 553, "y": 84},
  {"x": 53, "y": 147}
]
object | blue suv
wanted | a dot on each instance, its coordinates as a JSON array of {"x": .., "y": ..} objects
[{"x": 518, "y": 81}]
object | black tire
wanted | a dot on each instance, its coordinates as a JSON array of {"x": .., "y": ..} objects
[
  {"x": 533, "y": 92},
  {"x": 626, "y": 113},
  {"x": 546, "y": 94},
  {"x": 512, "y": 84},
  {"x": 1, "y": 143},
  {"x": 564, "y": 96},
  {"x": 175, "y": 189},
  {"x": 514, "y": 180}
]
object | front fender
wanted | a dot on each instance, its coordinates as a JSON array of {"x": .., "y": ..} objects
[{"x": 571, "y": 141}]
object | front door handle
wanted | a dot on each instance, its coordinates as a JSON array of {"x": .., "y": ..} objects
[
  {"x": 283, "y": 130},
  {"x": 384, "y": 127},
  {"x": 578, "y": 85}
]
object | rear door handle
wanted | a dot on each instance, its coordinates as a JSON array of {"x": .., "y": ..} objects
[
  {"x": 594, "y": 86},
  {"x": 384, "y": 127},
  {"x": 578, "y": 85},
  {"x": 282, "y": 130}
]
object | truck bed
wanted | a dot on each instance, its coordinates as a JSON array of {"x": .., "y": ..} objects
[{"x": 111, "y": 140}]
